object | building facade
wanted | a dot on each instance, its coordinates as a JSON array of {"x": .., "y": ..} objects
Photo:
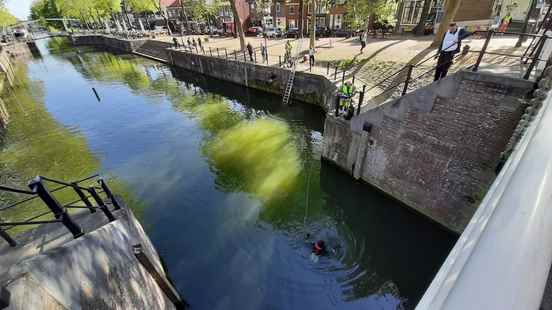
[{"x": 471, "y": 14}]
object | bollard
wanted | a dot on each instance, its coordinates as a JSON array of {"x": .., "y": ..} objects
[
  {"x": 226, "y": 52},
  {"x": 280, "y": 61},
  {"x": 353, "y": 80},
  {"x": 255, "y": 56},
  {"x": 335, "y": 73},
  {"x": 210, "y": 51},
  {"x": 328, "y": 69},
  {"x": 310, "y": 65},
  {"x": 218, "y": 54},
  {"x": 244, "y": 56},
  {"x": 343, "y": 77},
  {"x": 235, "y": 55}
]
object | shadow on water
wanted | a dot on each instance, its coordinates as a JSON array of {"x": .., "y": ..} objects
[
  {"x": 404, "y": 246},
  {"x": 236, "y": 191}
]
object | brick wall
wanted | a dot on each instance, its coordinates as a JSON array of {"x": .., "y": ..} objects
[
  {"x": 435, "y": 149},
  {"x": 474, "y": 10}
]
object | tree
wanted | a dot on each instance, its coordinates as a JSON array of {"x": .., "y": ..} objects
[
  {"x": 6, "y": 18},
  {"x": 238, "y": 23},
  {"x": 366, "y": 12},
  {"x": 451, "y": 8},
  {"x": 420, "y": 28},
  {"x": 312, "y": 36}
]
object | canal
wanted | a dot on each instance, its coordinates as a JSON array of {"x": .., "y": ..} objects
[{"x": 227, "y": 182}]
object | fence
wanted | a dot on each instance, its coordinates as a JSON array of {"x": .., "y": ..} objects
[
  {"x": 40, "y": 193},
  {"x": 409, "y": 78}
]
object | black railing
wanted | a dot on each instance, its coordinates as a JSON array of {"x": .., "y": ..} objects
[
  {"x": 39, "y": 191},
  {"x": 404, "y": 76}
]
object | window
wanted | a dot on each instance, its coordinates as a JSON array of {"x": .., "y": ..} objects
[{"x": 291, "y": 9}]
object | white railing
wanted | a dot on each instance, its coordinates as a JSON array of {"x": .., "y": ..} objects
[{"x": 503, "y": 257}]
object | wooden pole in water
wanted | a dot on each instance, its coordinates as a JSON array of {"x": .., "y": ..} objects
[{"x": 96, "y": 93}]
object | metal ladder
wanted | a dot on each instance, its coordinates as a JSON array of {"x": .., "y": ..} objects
[
  {"x": 291, "y": 78},
  {"x": 289, "y": 86}
]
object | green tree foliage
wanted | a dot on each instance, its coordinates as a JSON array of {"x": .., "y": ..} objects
[
  {"x": 81, "y": 9},
  {"x": 360, "y": 12},
  {"x": 6, "y": 18},
  {"x": 143, "y": 6}
]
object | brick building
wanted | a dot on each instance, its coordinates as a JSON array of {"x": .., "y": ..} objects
[{"x": 472, "y": 13}]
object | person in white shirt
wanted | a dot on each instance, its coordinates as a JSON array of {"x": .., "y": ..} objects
[
  {"x": 450, "y": 45},
  {"x": 311, "y": 56}
]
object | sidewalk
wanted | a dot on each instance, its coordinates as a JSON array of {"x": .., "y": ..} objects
[{"x": 380, "y": 58}]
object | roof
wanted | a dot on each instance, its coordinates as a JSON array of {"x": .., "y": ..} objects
[{"x": 169, "y": 3}]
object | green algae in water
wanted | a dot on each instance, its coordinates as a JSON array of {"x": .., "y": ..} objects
[
  {"x": 258, "y": 157},
  {"x": 36, "y": 144}
]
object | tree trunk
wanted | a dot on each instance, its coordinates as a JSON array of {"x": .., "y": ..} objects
[
  {"x": 125, "y": 13},
  {"x": 238, "y": 24},
  {"x": 300, "y": 25},
  {"x": 184, "y": 17},
  {"x": 526, "y": 22},
  {"x": 451, "y": 7},
  {"x": 313, "y": 29},
  {"x": 400, "y": 10},
  {"x": 421, "y": 23}
]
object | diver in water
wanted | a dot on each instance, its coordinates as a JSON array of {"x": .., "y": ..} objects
[{"x": 319, "y": 248}]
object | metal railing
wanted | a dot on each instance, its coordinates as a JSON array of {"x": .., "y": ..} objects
[
  {"x": 405, "y": 76},
  {"x": 88, "y": 195},
  {"x": 502, "y": 259}
]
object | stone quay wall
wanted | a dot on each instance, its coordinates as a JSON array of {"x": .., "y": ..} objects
[
  {"x": 435, "y": 149},
  {"x": 309, "y": 88}
]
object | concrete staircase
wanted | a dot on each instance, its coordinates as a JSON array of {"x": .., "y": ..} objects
[
  {"x": 154, "y": 49},
  {"x": 47, "y": 237}
]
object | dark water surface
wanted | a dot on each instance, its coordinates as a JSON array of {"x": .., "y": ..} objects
[{"x": 231, "y": 183}]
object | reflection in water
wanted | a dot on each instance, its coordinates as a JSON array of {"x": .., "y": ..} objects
[{"x": 236, "y": 191}]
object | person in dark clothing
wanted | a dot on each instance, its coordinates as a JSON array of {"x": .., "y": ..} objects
[
  {"x": 250, "y": 51},
  {"x": 450, "y": 46},
  {"x": 175, "y": 41},
  {"x": 319, "y": 248}
]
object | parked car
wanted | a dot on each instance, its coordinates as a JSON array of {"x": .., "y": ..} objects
[
  {"x": 273, "y": 32},
  {"x": 292, "y": 33},
  {"x": 341, "y": 33},
  {"x": 254, "y": 31}
]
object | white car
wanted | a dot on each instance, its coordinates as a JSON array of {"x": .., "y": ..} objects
[{"x": 272, "y": 32}]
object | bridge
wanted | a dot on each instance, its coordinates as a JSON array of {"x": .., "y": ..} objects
[{"x": 503, "y": 257}]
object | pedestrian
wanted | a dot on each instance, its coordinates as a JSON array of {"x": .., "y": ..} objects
[
  {"x": 505, "y": 23},
  {"x": 263, "y": 52},
  {"x": 362, "y": 41},
  {"x": 450, "y": 46},
  {"x": 287, "y": 55},
  {"x": 189, "y": 42},
  {"x": 194, "y": 43},
  {"x": 175, "y": 41},
  {"x": 311, "y": 56},
  {"x": 250, "y": 51}
]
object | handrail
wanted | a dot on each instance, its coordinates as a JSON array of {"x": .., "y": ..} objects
[
  {"x": 15, "y": 190},
  {"x": 502, "y": 259},
  {"x": 39, "y": 190}
]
